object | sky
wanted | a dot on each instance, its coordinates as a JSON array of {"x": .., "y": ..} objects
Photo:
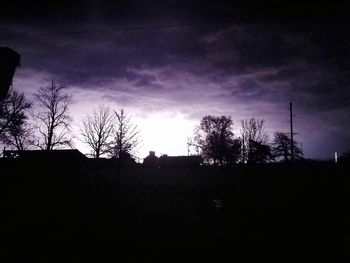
[{"x": 170, "y": 63}]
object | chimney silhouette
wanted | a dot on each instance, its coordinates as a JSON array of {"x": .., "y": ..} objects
[{"x": 9, "y": 60}]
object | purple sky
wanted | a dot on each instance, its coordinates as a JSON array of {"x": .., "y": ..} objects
[{"x": 242, "y": 60}]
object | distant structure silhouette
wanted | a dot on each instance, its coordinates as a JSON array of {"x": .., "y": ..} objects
[
  {"x": 191, "y": 161},
  {"x": 165, "y": 161},
  {"x": 151, "y": 160},
  {"x": 9, "y": 60},
  {"x": 54, "y": 155}
]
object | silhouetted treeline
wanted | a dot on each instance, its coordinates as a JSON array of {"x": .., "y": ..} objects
[
  {"x": 45, "y": 123},
  {"x": 215, "y": 140}
]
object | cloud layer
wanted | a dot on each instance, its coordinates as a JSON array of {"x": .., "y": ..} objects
[{"x": 247, "y": 67}]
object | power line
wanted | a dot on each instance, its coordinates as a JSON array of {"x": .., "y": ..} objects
[{"x": 120, "y": 29}]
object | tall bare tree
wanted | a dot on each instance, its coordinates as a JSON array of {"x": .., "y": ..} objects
[
  {"x": 53, "y": 118},
  {"x": 15, "y": 130},
  {"x": 98, "y": 130},
  {"x": 252, "y": 131},
  {"x": 126, "y": 138}
]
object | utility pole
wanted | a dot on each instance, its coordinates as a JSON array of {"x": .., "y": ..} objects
[{"x": 291, "y": 131}]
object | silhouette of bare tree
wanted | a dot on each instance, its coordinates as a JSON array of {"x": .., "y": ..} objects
[
  {"x": 252, "y": 131},
  {"x": 126, "y": 136},
  {"x": 97, "y": 131},
  {"x": 15, "y": 130},
  {"x": 53, "y": 118}
]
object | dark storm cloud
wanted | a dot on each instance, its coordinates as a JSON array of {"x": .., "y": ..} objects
[
  {"x": 257, "y": 59},
  {"x": 147, "y": 81},
  {"x": 87, "y": 58}
]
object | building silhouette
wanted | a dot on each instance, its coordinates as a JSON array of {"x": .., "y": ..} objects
[
  {"x": 64, "y": 155},
  {"x": 9, "y": 60},
  {"x": 165, "y": 161}
]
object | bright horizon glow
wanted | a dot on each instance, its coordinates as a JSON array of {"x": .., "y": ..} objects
[{"x": 164, "y": 133}]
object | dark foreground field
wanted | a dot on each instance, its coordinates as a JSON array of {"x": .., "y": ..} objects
[{"x": 88, "y": 212}]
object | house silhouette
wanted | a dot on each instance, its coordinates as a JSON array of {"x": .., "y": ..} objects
[
  {"x": 42, "y": 155},
  {"x": 165, "y": 161}
]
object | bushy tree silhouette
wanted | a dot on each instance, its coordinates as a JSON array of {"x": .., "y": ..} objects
[
  {"x": 259, "y": 153},
  {"x": 53, "y": 118},
  {"x": 282, "y": 147},
  {"x": 15, "y": 130},
  {"x": 214, "y": 136},
  {"x": 97, "y": 131}
]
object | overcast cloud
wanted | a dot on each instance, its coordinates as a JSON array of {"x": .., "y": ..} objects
[{"x": 251, "y": 64}]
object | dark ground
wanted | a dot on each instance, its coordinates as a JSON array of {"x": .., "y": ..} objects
[{"x": 87, "y": 212}]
